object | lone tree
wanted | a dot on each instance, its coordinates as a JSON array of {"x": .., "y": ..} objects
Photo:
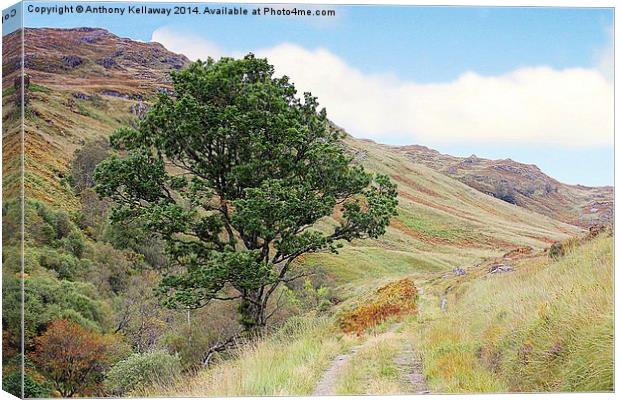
[{"x": 233, "y": 171}]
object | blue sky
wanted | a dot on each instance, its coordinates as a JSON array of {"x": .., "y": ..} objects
[{"x": 445, "y": 70}]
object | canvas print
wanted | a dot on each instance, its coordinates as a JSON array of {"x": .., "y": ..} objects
[{"x": 212, "y": 200}]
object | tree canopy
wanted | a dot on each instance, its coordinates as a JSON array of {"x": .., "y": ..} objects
[{"x": 233, "y": 171}]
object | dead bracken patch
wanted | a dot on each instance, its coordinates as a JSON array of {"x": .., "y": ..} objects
[
  {"x": 519, "y": 252},
  {"x": 394, "y": 299}
]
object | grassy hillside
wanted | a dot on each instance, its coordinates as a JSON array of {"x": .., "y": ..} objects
[
  {"x": 548, "y": 326},
  {"x": 287, "y": 363},
  {"x": 441, "y": 224}
]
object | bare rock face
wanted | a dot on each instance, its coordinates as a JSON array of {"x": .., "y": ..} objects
[
  {"x": 500, "y": 268},
  {"x": 139, "y": 109},
  {"x": 107, "y": 62},
  {"x": 81, "y": 96},
  {"x": 17, "y": 84},
  {"x": 72, "y": 61}
]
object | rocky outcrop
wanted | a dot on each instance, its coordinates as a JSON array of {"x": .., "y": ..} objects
[
  {"x": 500, "y": 268},
  {"x": 139, "y": 109},
  {"x": 72, "y": 61}
]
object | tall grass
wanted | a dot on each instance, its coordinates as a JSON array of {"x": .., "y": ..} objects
[
  {"x": 289, "y": 362},
  {"x": 546, "y": 327}
]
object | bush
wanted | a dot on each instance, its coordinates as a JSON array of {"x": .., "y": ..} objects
[
  {"x": 110, "y": 269},
  {"x": 307, "y": 296},
  {"x": 12, "y": 383},
  {"x": 560, "y": 249},
  {"x": 46, "y": 226},
  {"x": 74, "y": 243},
  {"x": 65, "y": 265},
  {"x": 141, "y": 370},
  {"x": 93, "y": 213},
  {"x": 556, "y": 250},
  {"x": 190, "y": 343},
  {"x": 85, "y": 161},
  {"x": 62, "y": 225},
  {"x": 11, "y": 221},
  {"x": 47, "y": 299}
]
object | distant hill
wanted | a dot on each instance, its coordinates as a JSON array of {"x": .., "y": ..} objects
[{"x": 522, "y": 184}]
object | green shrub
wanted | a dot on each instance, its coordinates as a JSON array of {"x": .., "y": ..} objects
[
  {"x": 86, "y": 159},
  {"x": 74, "y": 243},
  {"x": 307, "y": 296},
  {"x": 44, "y": 225},
  {"x": 11, "y": 221},
  {"x": 141, "y": 370},
  {"x": 556, "y": 250},
  {"x": 65, "y": 265},
  {"x": 12, "y": 383},
  {"x": 47, "y": 299},
  {"x": 62, "y": 225}
]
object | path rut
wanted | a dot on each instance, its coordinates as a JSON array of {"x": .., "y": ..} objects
[
  {"x": 411, "y": 363},
  {"x": 407, "y": 360}
]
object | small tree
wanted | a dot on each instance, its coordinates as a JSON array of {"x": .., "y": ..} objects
[
  {"x": 73, "y": 358},
  {"x": 233, "y": 171},
  {"x": 85, "y": 161}
]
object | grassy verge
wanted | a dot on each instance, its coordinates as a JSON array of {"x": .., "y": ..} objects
[
  {"x": 548, "y": 326},
  {"x": 289, "y": 362}
]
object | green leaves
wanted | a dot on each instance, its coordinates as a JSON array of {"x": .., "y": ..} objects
[
  {"x": 370, "y": 214},
  {"x": 204, "y": 281},
  {"x": 137, "y": 177},
  {"x": 234, "y": 171},
  {"x": 278, "y": 208}
]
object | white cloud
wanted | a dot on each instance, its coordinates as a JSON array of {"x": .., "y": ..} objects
[
  {"x": 537, "y": 105},
  {"x": 192, "y": 46}
]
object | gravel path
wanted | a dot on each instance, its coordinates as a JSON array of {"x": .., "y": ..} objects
[
  {"x": 325, "y": 387},
  {"x": 409, "y": 361}
]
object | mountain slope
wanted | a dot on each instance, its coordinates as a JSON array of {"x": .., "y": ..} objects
[
  {"x": 84, "y": 83},
  {"x": 442, "y": 223},
  {"x": 521, "y": 184}
]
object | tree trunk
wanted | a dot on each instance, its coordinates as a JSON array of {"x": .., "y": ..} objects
[{"x": 252, "y": 311}]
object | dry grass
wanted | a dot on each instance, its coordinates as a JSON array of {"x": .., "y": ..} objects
[
  {"x": 548, "y": 326},
  {"x": 289, "y": 362}
]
